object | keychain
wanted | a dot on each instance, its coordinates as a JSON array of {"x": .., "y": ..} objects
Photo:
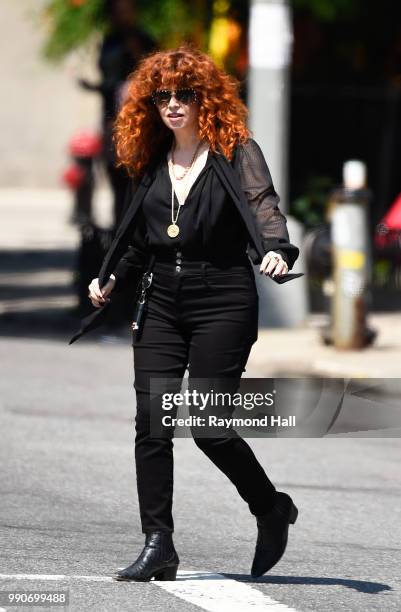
[{"x": 140, "y": 305}]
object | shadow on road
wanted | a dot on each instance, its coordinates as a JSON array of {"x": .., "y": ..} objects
[
  {"x": 362, "y": 586},
  {"x": 39, "y": 295}
]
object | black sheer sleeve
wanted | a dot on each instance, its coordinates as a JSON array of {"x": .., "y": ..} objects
[
  {"x": 263, "y": 200},
  {"x": 131, "y": 264}
]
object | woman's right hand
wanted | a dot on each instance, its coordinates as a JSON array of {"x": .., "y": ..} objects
[{"x": 98, "y": 296}]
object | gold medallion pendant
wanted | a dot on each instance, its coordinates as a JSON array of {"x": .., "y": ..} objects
[{"x": 173, "y": 230}]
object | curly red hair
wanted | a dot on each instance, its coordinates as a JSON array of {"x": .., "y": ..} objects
[{"x": 139, "y": 132}]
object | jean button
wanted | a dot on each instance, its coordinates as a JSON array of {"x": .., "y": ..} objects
[
  {"x": 178, "y": 268},
  {"x": 178, "y": 261},
  {"x": 178, "y": 253}
]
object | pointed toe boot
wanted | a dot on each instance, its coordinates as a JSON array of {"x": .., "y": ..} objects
[
  {"x": 158, "y": 560},
  {"x": 273, "y": 534}
]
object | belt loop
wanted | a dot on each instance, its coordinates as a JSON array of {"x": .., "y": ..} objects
[{"x": 204, "y": 274}]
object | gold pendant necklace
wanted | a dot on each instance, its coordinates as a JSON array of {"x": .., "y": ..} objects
[{"x": 173, "y": 229}]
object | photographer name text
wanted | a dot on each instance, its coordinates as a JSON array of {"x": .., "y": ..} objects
[{"x": 214, "y": 421}]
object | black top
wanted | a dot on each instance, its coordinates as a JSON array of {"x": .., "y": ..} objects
[
  {"x": 211, "y": 228},
  {"x": 210, "y": 223}
]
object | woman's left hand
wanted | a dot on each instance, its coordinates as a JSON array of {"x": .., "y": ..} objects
[{"x": 273, "y": 264}]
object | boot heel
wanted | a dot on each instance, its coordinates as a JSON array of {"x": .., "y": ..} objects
[
  {"x": 169, "y": 573},
  {"x": 294, "y": 514}
]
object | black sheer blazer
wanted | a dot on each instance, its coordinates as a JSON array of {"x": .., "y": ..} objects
[
  {"x": 254, "y": 180},
  {"x": 249, "y": 184}
]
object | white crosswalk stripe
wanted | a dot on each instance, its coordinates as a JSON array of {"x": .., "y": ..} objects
[{"x": 216, "y": 593}]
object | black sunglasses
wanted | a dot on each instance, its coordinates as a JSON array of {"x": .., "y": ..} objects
[{"x": 162, "y": 97}]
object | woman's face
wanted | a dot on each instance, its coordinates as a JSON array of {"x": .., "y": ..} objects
[{"x": 178, "y": 108}]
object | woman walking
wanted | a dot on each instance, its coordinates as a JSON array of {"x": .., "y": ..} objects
[{"x": 202, "y": 202}]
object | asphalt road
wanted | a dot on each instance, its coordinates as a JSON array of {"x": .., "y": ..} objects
[{"x": 69, "y": 516}]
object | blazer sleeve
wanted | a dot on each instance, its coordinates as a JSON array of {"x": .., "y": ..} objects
[
  {"x": 257, "y": 184},
  {"x": 133, "y": 261}
]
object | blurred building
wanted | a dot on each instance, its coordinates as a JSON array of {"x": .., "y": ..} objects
[
  {"x": 41, "y": 104},
  {"x": 346, "y": 96}
]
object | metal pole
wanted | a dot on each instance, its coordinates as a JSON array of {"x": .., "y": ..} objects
[{"x": 270, "y": 45}]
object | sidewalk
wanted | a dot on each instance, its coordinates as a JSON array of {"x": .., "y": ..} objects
[
  {"x": 38, "y": 218},
  {"x": 300, "y": 351}
]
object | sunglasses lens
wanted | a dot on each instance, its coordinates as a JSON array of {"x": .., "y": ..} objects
[
  {"x": 161, "y": 97},
  {"x": 186, "y": 96}
]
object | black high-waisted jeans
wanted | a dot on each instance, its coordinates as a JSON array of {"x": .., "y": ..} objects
[{"x": 204, "y": 317}]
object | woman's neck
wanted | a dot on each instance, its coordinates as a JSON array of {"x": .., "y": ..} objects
[{"x": 184, "y": 142}]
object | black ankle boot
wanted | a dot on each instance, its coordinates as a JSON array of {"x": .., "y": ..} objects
[
  {"x": 273, "y": 533},
  {"x": 158, "y": 560}
]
